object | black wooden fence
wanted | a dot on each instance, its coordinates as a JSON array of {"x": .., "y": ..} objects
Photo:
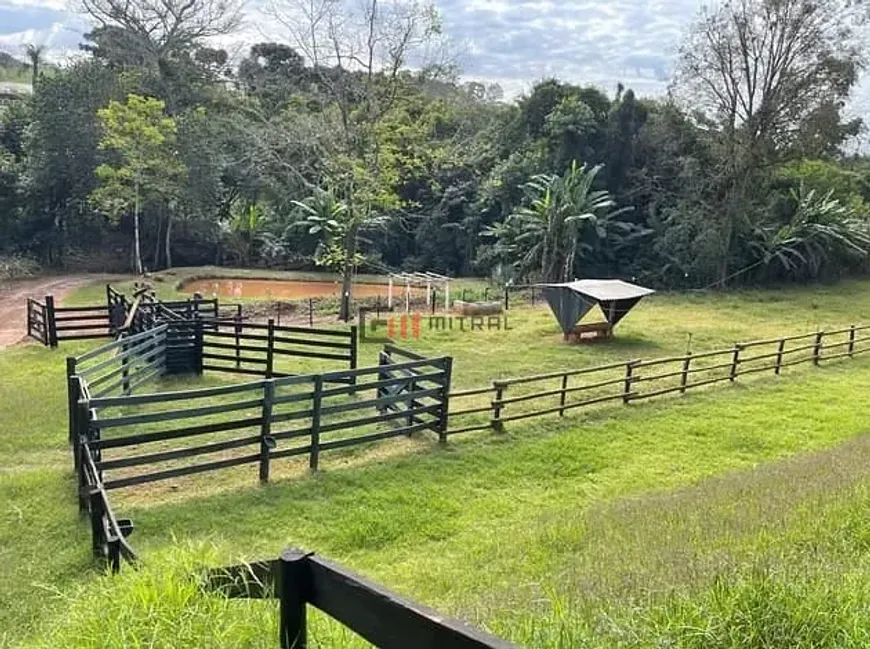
[
  {"x": 258, "y": 422},
  {"x": 38, "y": 321},
  {"x": 513, "y": 399},
  {"x": 383, "y": 618},
  {"x": 51, "y": 324},
  {"x": 240, "y": 347}
]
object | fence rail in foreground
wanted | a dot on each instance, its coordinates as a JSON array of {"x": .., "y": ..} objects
[
  {"x": 387, "y": 620},
  {"x": 514, "y": 399}
]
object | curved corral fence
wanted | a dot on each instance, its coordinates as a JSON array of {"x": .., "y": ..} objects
[{"x": 121, "y": 440}]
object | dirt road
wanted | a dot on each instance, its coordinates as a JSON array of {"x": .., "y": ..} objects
[{"x": 13, "y": 301}]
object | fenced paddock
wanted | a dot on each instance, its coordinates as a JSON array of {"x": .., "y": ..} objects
[
  {"x": 556, "y": 393},
  {"x": 51, "y": 324}
]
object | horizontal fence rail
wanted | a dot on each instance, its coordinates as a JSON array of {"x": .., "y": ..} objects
[
  {"x": 240, "y": 347},
  {"x": 383, "y": 618},
  {"x": 194, "y": 431},
  {"x": 515, "y": 399}
]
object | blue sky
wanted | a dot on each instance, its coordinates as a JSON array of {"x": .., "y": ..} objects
[{"x": 512, "y": 42}]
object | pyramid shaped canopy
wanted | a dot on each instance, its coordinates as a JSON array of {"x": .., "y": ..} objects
[{"x": 573, "y": 300}]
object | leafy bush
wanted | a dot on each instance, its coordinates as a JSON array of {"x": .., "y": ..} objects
[{"x": 17, "y": 266}]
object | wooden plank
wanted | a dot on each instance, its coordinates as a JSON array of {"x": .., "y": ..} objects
[
  {"x": 241, "y": 348},
  {"x": 177, "y": 473},
  {"x": 384, "y": 618},
  {"x": 186, "y": 413},
  {"x": 166, "y": 456},
  {"x": 374, "y": 437},
  {"x": 301, "y": 354},
  {"x": 471, "y": 393},
  {"x": 177, "y": 433},
  {"x": 232, "y": 370},
  {"x": 80, "y": 309},
  {"x": 82, "y": 318},
  {"x": 366, "y": 371},
  {"x": 380, "y": 401},
  {"x": 185, "y": 395},
  {"x": 559, "y": 375},
  {"x": 469, "y": 429},
  {"x": 380, "y": 418},
  {"x": 108, "y": 334},
  {"x": 243, "y": 359},
  {"x": 359, "y": 387},
  {"x": 312, "y": 343}
]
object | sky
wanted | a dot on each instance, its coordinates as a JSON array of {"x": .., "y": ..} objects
[{"x": 510, "y": 42}]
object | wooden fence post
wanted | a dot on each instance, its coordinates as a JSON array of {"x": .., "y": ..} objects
[
  {"x": 294, "y": 583},
  {"x": 82, "y": 423},
  {"x": 266, "y": 442},
  {"x": 563, "y": 395},
  {"x": 445, "y": 400},
  {"x": 779, "y": 354},
  {"x": 237, "y": 329},
  {"x": 735, "y": 361},
  {"x": 684, "y": 377},
  {"x": 354, "y": 342},
  {"x": 496, "y": 422},
  {"x": 310, "y": 312},
  {"x": 629, "y": 370},
  {"x": 95, "y": 507},
  {"x": 851, "y": 340},
  {"x": 533, "y": 295},
  {"x": 314, "y": 459},
  {"x": 73, "y": 392},
  {"x": 125, "y": 371},
  {"x": 507, "y": 301},
  {"x": 270, "y": 348},
  {"x": 50, "y": 321},
  {"x": 817, "y": 348},
  {"x": 198, "y": 344},
  {"x": 29, "y": 316}
]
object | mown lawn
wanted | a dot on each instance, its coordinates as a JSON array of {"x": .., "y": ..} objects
[{"x": 731, "y": 517}]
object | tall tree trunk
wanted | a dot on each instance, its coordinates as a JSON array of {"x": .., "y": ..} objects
[
  {"x": 347, "y": 274},
  {"x": 157, "y": 242},
  {"x": 168, "y": 240},
  {"x": 137, "y": 249}
]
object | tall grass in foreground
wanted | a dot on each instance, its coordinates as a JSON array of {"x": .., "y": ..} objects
[{"x": 164, "y": 605}]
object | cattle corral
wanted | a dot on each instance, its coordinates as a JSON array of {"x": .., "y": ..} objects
[{"x": 143, "y": 426}]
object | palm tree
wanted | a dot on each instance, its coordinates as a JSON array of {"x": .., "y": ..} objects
[
  {"x": 563, "y": 219},
  {"x": 821, "y": 228},
  {"x": 34, "y": 53}
]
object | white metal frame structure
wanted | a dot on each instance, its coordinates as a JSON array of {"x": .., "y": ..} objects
[{"x": 426, "y": 279}]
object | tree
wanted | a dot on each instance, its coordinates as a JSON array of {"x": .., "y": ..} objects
[
  {"x": 563, "y": 219},
  {"x": 164, "y": 29},
  {"x": 764, "y": 71},
  {"x": 148, "y": 169},
  {"x": 34, "y": 53},
  {"x": 359, "y": 56}
]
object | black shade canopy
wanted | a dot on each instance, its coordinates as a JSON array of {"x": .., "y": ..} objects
[{"x": 573, "y": 300}]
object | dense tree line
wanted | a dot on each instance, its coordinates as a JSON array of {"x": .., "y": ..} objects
[{"x": 354, "y": 145}]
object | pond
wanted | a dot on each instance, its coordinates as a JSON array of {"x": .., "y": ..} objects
[{"x": 284, "y": 289}]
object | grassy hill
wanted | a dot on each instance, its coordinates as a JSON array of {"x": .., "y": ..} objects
[
  {"x": 13, "y": 70},
  {"x": 727, "y": 518}
]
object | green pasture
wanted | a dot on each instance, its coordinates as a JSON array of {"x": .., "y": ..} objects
[{"x": 730, "y": 517}]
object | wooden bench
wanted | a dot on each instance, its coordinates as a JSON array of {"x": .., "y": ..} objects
[{"x": 590, "y": 331}]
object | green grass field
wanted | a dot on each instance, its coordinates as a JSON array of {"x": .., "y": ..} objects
[{"x": 730, "y": 517}]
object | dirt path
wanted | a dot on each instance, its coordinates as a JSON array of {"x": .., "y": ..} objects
[{"x": 13, "y": 301}]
